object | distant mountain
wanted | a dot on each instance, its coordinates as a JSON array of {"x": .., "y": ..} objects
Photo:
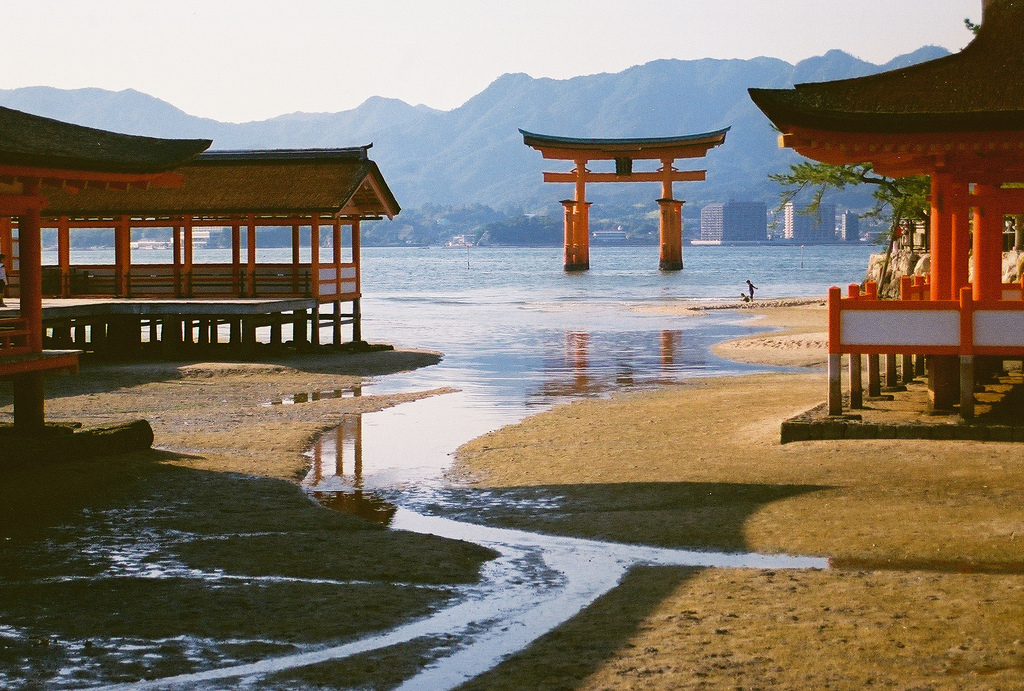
[{"x": 474, "y": 153}]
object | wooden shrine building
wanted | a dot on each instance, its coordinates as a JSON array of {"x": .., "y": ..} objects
[
  {"x": 39, "y": 156},
  {"x": 960, "y": 120},
  {"x": 623, "y": 152},
  {"x": 322, "y": 194}
]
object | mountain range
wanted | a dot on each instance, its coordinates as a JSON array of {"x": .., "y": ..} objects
[{"x": 474, "y": 154}]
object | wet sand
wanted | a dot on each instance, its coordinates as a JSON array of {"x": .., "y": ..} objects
[
  {"x": 929, "y": 532},
  {"x": 183, "y": 558}
]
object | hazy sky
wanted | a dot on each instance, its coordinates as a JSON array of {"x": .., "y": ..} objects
[{"x": 238, "y": 60}]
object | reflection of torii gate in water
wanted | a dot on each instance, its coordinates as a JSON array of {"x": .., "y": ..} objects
[{"x": 624, "y": 152}]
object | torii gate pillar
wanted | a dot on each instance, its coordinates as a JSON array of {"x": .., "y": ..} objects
[{"x": 670, "y": 232}]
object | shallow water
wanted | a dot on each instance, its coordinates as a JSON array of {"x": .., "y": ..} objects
[{"x": 514, "y": 352}]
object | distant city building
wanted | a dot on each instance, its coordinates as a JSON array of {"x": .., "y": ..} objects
[
  {"x": 849, "y": 226},
  {"x": 812, "y": 229},
  {"x": 734, "y": 222}
]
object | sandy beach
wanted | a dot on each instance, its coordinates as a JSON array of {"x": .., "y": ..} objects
[{"x": 927, "y": 593}]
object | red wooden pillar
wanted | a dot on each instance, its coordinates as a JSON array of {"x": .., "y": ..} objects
[
  {"x": 941, "y": 240},
  {"x": 236, "y": 256},
  {"x": 670, "y": 231},
  {"x": 357, "y": 329},
  {"x": 336, "y": 247},
  {"x": 250, "y": 247},
  {"x": 176, "y": 260},
  {"x": 28, "y": 389},
  {"x": 6, "y": 244},
  {"x": 64, "y": 255},
  {"x": 187, "y": 261},
  {"x": 577, "y": 248},
  {"x": 988, "y": 244},
  {"x": 296, "y": 261},
  {"x": 961, "y": 237},
  {"x": 122, "y": 255},
  {"x": 314, "y": 256}
]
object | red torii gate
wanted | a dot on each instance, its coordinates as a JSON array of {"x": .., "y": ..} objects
[{"x": 624, "y": 152}]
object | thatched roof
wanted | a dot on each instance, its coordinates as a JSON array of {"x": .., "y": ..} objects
[
  {"x": 219, "y": 184},
  {"x": 32, "y": 141},
  {"x": 980, "y": 89}
]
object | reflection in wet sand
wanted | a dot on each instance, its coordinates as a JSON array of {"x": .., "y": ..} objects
[
  {"x": 329, "y": 456},
  {"x": 310, "y": 396},
  {"x": 593, "y": 368}
]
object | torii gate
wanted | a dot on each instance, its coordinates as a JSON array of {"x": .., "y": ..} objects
[{"x": 624, "y": 152}]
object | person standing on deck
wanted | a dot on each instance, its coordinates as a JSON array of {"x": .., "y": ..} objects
[{"x": 751, "y": 287}]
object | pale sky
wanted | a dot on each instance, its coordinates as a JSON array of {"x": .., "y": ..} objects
[{"x": 240, "y": 60}]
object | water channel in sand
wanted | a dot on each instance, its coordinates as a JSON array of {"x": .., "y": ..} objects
[{"x": 517, "y": 338}]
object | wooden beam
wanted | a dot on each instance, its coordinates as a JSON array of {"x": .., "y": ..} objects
[{"x": 675, "y": 176}]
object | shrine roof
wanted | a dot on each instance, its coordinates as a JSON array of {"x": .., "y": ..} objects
[
  {"x": 689, "y": 145},
  {"x": 33, "y": 141},
  {"x": 224, "y": 183},
  {"x": 979, "y": 89}
]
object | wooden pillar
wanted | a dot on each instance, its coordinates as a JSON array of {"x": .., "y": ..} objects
[
  {"x": 187, "y": 261},
  {"x": 856, "y": 382},
  {"x": 237, "y": 285},
  {"x": 64, "y": 255},
  {"x": 314, "y": 325},
  {"x": 299, "y": 328},
  {"x": 670, "y": 226},
  {"x": 179, "y": 288},
  {"x": 874, "y": 376},
  {"x": 891, "y": 379},
  {"x": 6, "y": 240},
  {"x": 357, "y": 328},
  {"x": 988, "y": 244},
  {"x": 250, "y": 250},
  {"x": 336, "y": 247},
  {"x": 29, "y": 400},
  {"x": 835, "y": 357},
  {"x": 31, "y": 277},
  {"x": 961, "y": 239},
  {"x": 967, "y": 387},
  {"x": 296, "y": 263},
  {"x": 569, "y": 235},
  {"x": 577, "y": 248},
  {"x": 314, "y": 261},
  {"x": 122, "y": 256},
  {"x": 907, "y": 368},
  {"x": 670, "y": 232},
  {"x": 941, "y": 239},
  {"x": 856, "y": 379}
]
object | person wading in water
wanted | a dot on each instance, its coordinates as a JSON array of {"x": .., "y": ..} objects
[{"x": 751, "y": 287}]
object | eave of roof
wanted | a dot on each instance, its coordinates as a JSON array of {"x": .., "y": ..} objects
[
  {"x": 638, "y": 147},
  {"x": 979, "y": 89},
  {"x": 223, "y": 184},
  {"x": 32, "y": 141}
]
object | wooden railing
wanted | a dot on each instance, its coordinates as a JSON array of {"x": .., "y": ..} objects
[
  {"x": 205, "y": 281},
  {"x": 13, "y": 337}
]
